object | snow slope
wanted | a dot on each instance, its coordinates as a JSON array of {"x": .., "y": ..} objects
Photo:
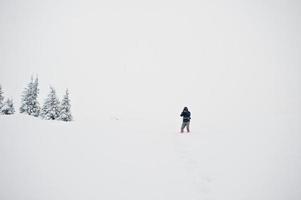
[
  {"x": 68, "y": 161},
  {"x": 116, "y": 159}
]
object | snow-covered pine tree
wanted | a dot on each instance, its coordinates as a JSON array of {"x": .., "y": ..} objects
[
  {"x": 8, "y": 107},
  {"x": 29, "y": 102},
  {"x": 35, "y": 104},
  {"x": 1, "y": 97},
  {"x": 25, "y": 97},
  {"x": 65, "y": 108},
  {"x": 51, "y": 107}
]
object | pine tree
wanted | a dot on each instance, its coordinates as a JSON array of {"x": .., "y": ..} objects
[
  {"x": 25, "y": 97},
  {"x": 51, "y": 107},
  {"x": 8, "y": 107},
  {"x": 1, "y": 97},
  {"x": 29, "y": 103},
  {"x": 65, "y": 108}
]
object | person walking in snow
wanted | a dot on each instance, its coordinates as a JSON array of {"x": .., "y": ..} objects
[{"x": 186, "y": 119}]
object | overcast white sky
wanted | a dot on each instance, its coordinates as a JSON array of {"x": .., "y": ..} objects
[{"x": 223, "y": 59}]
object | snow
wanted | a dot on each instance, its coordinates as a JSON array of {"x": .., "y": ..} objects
[
  {"x": 126, "y": 159},
  {"x": 68, "y": 161}
]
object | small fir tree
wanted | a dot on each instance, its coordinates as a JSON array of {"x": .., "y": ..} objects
[
  {"x": 8, "y": 107},
  {"x": 29, "y": 102},
  {"x": 25, "y": 97},
  {"x": 65, "y": 108},
  {"x": 51, "y": 107},
  {"x": 1, "y": 97}
]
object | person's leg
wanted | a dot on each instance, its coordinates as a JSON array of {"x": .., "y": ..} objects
[
  {"x": 187, "y": 127},
  {"x": 182, "y": 127}
]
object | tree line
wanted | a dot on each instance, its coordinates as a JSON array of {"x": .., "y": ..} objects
[{"x": 52, "y": 109}]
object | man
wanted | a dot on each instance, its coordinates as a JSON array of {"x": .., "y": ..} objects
[{"x": 186, "y": 119}]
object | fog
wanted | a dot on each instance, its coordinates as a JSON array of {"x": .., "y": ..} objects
[{"x": 220, "y": 58}]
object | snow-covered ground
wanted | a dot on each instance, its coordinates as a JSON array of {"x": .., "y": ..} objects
[{"x": 136, "y": 159}]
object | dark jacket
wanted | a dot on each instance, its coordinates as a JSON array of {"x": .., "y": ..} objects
[{"x": 186, "y": 116}]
